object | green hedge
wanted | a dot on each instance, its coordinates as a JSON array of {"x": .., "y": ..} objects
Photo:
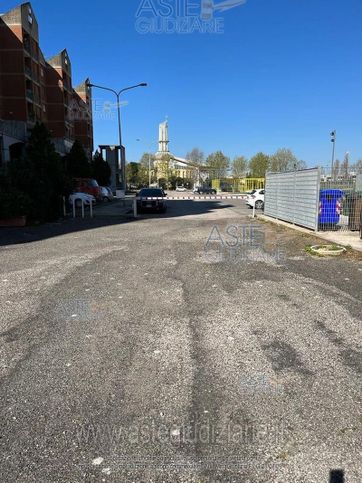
[{"x": 14, "y": 203}]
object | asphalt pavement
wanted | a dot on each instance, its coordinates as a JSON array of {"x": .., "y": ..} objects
[{"x": 197, "y": 345}]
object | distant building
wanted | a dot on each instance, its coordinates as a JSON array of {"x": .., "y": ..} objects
[
  {"x": 166, "y": 165},
  {"x": 33, "y": 89}
]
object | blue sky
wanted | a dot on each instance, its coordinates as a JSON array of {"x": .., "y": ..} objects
[{"x": 283, "y": 73}]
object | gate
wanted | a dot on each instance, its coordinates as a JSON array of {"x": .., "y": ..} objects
[{"x": 294, "y": 197}]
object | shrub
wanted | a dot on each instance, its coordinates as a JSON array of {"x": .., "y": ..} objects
[{"x": 14, "y": 203}]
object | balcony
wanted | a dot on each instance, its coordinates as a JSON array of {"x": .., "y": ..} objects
[
  {"x": 27, "y": 46},
  {"x": 31, "y": 74},
  {"x": 14, "y": 129},
  {"x": 30, "y": 95},
  {"x": 28, "y": 71},
  {"x": 29, "y": 50}
]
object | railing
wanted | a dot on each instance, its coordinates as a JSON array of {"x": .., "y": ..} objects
[
  {"x": 14, "y": 129},
  {"x": 28, "y": 71},
  {"x": 30, "y": 94}
]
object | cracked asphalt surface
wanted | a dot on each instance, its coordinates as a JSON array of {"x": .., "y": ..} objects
[{"x": 148, "y": 351}]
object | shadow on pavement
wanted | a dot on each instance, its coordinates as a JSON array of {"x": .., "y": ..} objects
[
  {"x": 115, "y": 214},
  {"x": 336, "y": 476}
]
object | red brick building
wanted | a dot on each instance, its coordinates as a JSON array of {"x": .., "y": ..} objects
[{"x": 33, "y": 89}]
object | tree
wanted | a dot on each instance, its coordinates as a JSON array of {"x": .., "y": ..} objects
[
  {"x": 239, "y": 166},
  {"x": 218, "y": 164},
  {"x": 132, "y": 173},
  {"x": 77, "y": 163},
  {"x": 40, "y": 175},
  {"x": 283, "y": 160},
  {"x": 196, "y": 156},
  {"x": 146, "y": 158},
  {"x": 336, "y": 169},
  {"x": 258, "y": 165},
  {"x": 357, "y": 167},
  {"x": 345, "y": 166},
  {"x": 100, "y": 170}
]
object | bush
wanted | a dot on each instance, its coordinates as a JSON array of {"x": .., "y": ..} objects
[
  {"x": 40, "y": 176},
  {"x": 14, "y": 203}
]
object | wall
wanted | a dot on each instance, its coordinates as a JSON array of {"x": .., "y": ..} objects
[{"x": 293, "y": 197}]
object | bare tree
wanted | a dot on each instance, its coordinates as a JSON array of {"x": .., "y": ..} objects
[
  {"x": 336, "y": 169},
  {"x": 357, "y": 167},
  {"x": 345, "y": 166},
  {"x": 196, "y": 156}
]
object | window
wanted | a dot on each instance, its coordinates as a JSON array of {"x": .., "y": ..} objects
[
  {"x": 30, "y": 16},
  {"x": 1, "y": 150}
]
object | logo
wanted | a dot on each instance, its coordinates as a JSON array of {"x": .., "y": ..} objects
[
  {"x": 208, "y": 7},
  {"x": 182, "y": 16}
]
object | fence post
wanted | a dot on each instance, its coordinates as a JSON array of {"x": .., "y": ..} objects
[{"x": 318, "y": 190}]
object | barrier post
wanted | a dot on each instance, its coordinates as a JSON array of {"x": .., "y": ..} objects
[
  {"x": 135, "y": 207},
  {"x": 82, "y": 209},
  {"x": 73, "y": 208},
  {"x": 91, "y": 209}
]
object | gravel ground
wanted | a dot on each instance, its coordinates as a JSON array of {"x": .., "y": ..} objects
[{"x": 168, "y": 349}]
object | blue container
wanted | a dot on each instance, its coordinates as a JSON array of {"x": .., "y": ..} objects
[{"x": 330, "y": 207}]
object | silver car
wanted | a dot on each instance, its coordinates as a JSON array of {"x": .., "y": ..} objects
[{"x": 106, "y": 194}]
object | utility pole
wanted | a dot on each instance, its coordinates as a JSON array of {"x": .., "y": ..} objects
[
  {"x": 333, "y": 141},
  {"x": 149, "y": 169}
]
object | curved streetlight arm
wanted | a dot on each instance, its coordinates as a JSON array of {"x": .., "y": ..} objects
[
  {"x": 118, "y": 94},
  {"x": 104, "y": 88},
  {"x": 143, "y": 84}
]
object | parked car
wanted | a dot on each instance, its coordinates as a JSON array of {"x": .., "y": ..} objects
[
  {"x": 79, "y": 197},
  {"x": 151, "y": 205},
  {"x": 107, "y": 194},
  {"x": 204, "y": 190},
  {"x": 256, "y": 199},
  {"x": 181, "y": 188},
  {"x": 89, "y": 186}
]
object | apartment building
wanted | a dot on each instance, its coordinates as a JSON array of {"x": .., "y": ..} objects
[
  {"x": 34, "y": 89},
  {"x": 82, "y": 116}
]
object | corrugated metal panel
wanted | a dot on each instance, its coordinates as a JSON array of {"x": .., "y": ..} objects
[{"x": 293, "y": 197}]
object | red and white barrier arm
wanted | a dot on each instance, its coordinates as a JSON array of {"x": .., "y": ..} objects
[{"x": 215, "y": 197}]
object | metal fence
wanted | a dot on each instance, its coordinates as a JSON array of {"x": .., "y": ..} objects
[
  {"x": 340, "y": 206},
  {"x": 315, "y": 199},
  {"x": 293, "y": 197}
]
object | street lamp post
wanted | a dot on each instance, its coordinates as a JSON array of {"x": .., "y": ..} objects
[
  {"x": 333, "y": 140},
  {"x": 118, "y": 96}
]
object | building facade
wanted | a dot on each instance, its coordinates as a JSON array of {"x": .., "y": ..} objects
[{"x": 33, "y": 89}]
